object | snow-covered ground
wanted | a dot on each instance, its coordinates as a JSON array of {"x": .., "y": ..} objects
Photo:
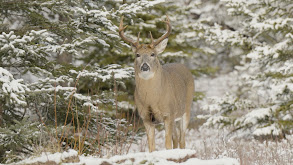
[
  {"x": 204, "y": 147},
  {"x": 165, "y": 157},
  {"x": 213, "y": 144}
]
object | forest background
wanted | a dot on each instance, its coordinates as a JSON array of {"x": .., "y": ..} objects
[{"x": 66, "y": 77}]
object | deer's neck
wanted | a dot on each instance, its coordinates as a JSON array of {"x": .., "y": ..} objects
[{"x": 151, "y": 86}]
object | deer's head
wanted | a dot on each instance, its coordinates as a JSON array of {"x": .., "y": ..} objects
[{"x": 146, "y": 55}]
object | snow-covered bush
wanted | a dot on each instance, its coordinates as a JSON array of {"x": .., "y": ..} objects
[
  {"x": 262, "y": 105},
  {"x": 21, "y": 136}
]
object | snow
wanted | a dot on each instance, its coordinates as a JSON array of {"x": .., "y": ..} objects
[
  {"x": 215, "y": 120},
  {"x": 103, "y": 43},
  {"x": 58, "y": 88},
  {"x": 223, "y": 161},
  {"x": 135, "y": 7},
  {"x": 287, "y": 117},
  {"x": 13, "y": 88},
  {"x": 270, "y": 130},
  {"x": 125, "y": 105},
  {"x": 271, "y": 24},
  {"x": 172, "y": 54},
  {"x": 5, "y": 75},
  {"x": 164, "y": 157},
  {"x": 44, "y": 157},
  {"x": 226, "y": 36},
  {"x": 106, "y": 73},
  {"x": 255, "y": 115}
]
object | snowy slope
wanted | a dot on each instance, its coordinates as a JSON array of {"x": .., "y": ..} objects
[{"x": 165, "y": 157}]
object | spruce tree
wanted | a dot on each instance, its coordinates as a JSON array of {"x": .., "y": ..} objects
[
  {"x": 61, "y": 69},
  {"x": 262, "y": 105}
]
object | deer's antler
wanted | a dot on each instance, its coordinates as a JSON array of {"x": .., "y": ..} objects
[
  {"x": 169, "y": 29},
  {"x": 121, "y": 33}
]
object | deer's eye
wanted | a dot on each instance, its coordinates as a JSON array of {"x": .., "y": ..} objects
[
  {"x": 137, "y": 55},
  {"x": 153, "y": 54}
]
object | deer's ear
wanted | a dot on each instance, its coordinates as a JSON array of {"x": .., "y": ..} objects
[{"x": 161, "y": 46}]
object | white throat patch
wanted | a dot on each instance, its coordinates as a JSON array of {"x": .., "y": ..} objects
[{"x": 146, "y": 75}]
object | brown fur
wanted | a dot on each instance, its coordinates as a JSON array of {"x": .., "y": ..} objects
[{"x": 169, "y": 96}]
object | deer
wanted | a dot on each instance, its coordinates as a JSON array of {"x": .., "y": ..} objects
[{"x": 163, "y": 93}]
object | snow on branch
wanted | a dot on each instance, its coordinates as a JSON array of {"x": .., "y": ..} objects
[
  {"x": 12, "y": 88},
  {"x": 106, "y": 73},
  {"x": 273, "y": 129},
  {"x": 137, "y": 7},
  {"x": 217, "y": 35},
  {"x": 272, "y": 24},
  {"x": 254, "y": 116},
  {"x": 261, "y": 51},
  {"x": 174, "y": 54}
]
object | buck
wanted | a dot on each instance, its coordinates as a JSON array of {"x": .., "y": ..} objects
[{"x": 163, "y": 93}]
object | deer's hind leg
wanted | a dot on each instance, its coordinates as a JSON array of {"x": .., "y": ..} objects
[
  {"x": 186, "y": 116},
  {"x": 182, "y": 129}
]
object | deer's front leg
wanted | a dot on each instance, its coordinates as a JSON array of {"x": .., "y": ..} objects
[
  {"x": 169, "y": 124},
  {"x": 150, "y": 129}
]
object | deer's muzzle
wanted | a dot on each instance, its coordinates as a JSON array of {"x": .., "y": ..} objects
[{"x": 145, "y": 67}]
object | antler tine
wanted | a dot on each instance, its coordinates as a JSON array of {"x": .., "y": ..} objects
[
  {"x": 152, "y": 40},
  {"x": 166, "y": 35},
  {"x": 121, "y": 33},
  {"x": 137, "y": 42}
]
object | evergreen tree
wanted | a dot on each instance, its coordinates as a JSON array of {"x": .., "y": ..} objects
[
  {"x": 61, "y": 66},
  {"x": 262, "y": 105}
]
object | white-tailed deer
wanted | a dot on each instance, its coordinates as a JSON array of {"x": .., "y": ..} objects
[{"x": 163, "y": 93}]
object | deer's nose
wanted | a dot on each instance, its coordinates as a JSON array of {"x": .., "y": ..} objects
[{"x": 145, "y": 67}]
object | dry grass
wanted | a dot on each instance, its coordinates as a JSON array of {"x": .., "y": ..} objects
[
  {"x": 247, "y": 151},
  {"x": 213, "y": 144},
  {"x": 76, "y": 135}
]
